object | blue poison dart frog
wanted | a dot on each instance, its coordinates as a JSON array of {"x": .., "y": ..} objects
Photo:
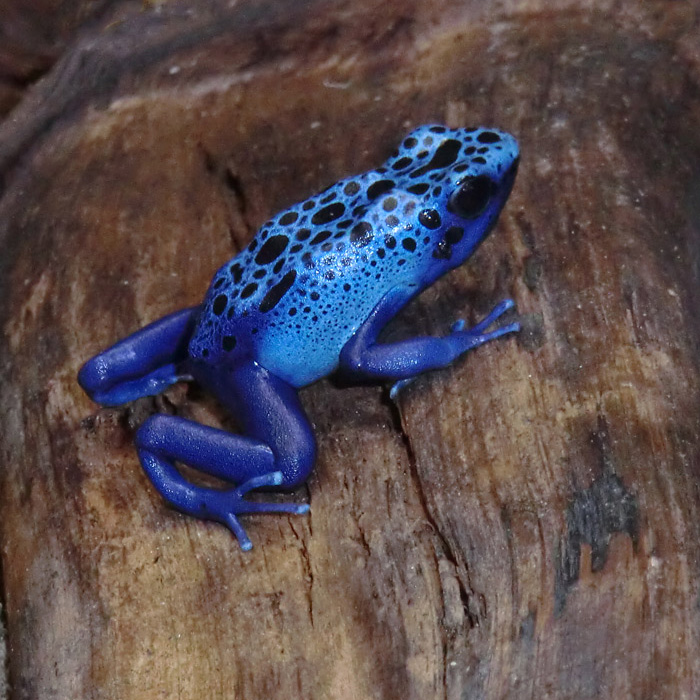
[{"x": 309, "y": 296}]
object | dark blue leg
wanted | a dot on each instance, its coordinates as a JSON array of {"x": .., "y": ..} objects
[
  {"x": 143, "y": 364},
  {"x": 363, "y": 357},
  {"x": 278, "y": 450}
]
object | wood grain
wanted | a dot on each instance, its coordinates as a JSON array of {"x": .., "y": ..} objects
[{"x": 522, "y": 524}]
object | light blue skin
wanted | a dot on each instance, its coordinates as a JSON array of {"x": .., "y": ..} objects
[{"x": 310, "y": 296}]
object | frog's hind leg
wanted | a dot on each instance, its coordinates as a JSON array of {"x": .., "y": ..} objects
[
  {"x": 142, "y": 364},
  {"x": 278, "y": 449}
]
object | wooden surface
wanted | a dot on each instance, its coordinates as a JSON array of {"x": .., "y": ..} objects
[{"x": 523, "y": 524}]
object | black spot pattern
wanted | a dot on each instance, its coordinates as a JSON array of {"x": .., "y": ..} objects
[
  {"x": 289, "y": 218},
  {"x": 488, "y": 137},
  {"x": 273, "y": 297},
  {"x": 379, "y": 188},
  {"x": 443, "y": 251},
  {"x": 271, "y": 250},
  {"x": 454, "y": 235},
  {"x": 445, "y": 155},
  {"x": 219, "y": 304},
  {"x": 327, "y": 214},
  {"x": 361, "y": 234},
  {"x": 430, "y": 218},
  {"x": 402, "y": 163},
  {"x": 249, "y": 290},
  {"x": 320, "y": 237}
]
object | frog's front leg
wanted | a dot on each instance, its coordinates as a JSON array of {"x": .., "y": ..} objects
[
  {"x": 278, "y": 448},
  {"x": 363, "y": 357},
  {"x": 142, "y": 364}
]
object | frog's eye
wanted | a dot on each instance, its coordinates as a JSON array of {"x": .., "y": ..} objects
[{"x": 472, "y": 197}]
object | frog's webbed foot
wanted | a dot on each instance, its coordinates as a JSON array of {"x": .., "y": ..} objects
[
  {"x": 464, "y": 340},
  {"x": 225, "y": 506}
]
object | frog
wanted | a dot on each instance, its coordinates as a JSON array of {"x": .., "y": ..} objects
[{"x": 309, "y": 297}]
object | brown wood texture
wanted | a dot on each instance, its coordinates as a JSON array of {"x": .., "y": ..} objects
[
  {"x": 34, "y": 33},
  {"x": 523, "y": 524}
]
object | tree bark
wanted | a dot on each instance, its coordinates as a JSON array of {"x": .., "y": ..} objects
[{"x": 523, "y": 524}]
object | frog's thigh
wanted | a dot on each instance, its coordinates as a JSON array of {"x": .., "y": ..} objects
[
  {"x": 269, "y": 412},
  {"x": 235, "y": 458}
]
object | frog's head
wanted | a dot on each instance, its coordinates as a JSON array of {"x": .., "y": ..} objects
[{"x": 459, "y": 180}]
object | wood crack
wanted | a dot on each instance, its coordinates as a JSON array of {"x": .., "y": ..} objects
[{"x": 446, "y": 549}]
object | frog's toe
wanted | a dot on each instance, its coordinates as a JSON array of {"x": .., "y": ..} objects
[
  {"x": 271, "y": 479},
  {"x": 227, "y": 506},
  {"x": 231, "y": 521},
  {"x": 398, "y": 387},
  {"x": 492, "y": 317}
]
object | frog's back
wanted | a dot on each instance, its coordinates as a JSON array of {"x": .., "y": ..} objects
[
  {"x": 313, "y": 274},
  {"x": 299, "y": 291}
]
